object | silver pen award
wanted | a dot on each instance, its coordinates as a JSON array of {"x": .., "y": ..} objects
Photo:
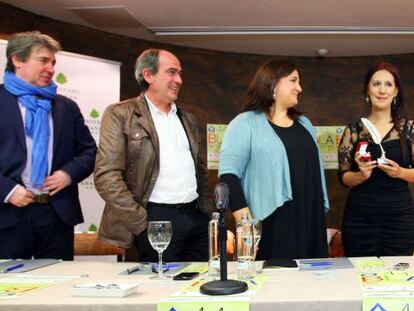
[{"x": 376, "y": 137}]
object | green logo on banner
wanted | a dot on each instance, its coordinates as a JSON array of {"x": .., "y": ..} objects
[
  {"x": 93, "y": 228},
  {"x": 61, "y": 78},
  {"x": 94, "y": 114}
]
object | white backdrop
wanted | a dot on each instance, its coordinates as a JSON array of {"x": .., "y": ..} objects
[{"x": 94, "y": 84}]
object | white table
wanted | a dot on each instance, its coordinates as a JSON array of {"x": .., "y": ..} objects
[{"x": 284, "y": 290}]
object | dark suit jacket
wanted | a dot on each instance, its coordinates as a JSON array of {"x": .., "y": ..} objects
[{"x": 74, "y": 151}]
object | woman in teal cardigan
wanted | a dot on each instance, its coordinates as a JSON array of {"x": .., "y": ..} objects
[{"x": 271, "y": 162}]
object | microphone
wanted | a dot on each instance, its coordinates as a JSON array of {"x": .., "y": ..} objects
[
  {"x": 223, "y": 286},
  {"x": 222, "y": 193}
]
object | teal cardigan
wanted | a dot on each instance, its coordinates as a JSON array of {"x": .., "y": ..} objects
[{"x": 253, "y": 152}]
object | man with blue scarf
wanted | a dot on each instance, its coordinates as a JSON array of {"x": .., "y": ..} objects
[{"x": 46, "y": 150}]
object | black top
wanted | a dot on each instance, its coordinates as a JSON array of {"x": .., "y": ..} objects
[
  {"x": 379, "y": 215},
  {"x": 297, "y": 229},
  {"x": 396, "y": 149},
  {"x": 303, "y": 159}
]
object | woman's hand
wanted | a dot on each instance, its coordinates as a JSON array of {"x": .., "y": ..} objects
[
  {"x": 392, "y": 169},
  {"x": 365, "y": 167}
]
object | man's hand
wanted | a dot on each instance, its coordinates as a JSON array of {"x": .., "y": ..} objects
[
  {"x": 56, "y": 182},
  {"x": 21, "y": 197}
]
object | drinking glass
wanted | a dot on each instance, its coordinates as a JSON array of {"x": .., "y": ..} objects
[
  {"x": 257, "y": 233},
  {"x": 159, "y": 235}
]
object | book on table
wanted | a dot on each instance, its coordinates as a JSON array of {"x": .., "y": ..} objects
[{"x": 107, "y": 289}]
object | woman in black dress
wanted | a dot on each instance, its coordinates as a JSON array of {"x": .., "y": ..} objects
[
  {"x": 379, "y": 213},
  {"x": 270, "y": 160}
]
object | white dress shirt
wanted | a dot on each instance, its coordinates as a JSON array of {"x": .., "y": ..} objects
[
  {"x": 176, "y": 182},
  {"x": 27, "y": 172}
]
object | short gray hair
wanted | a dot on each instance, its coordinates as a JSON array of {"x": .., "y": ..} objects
[
  {"x": 148, "y": 59},
  {"x": 21, "y": 44}
]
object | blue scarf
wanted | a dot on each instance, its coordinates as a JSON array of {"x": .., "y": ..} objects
[{"x": 38, "y": 103}]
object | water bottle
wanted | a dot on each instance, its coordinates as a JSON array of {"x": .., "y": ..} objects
[
  {"x": 245, "y": 248},
  {"x": 213, "y": 247}
]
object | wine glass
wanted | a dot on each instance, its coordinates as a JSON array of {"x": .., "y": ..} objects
[
  {"x": 257, "y": 233},
  {"x": 159, "y": 235}
]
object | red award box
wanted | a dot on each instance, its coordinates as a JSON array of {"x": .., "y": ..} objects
[{"x": 362, "y": 150}]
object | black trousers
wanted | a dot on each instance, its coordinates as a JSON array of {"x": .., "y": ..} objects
[
  {"x": 40, "y": 233},
  {"x": 189, "y": 241}
]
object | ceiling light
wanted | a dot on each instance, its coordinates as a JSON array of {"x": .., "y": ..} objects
[
  {"x": 259, "y": 30},
  {"x": 322, "y": 52}
]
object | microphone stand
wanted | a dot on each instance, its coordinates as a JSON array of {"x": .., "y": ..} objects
[{"x": 223, "y": 286}]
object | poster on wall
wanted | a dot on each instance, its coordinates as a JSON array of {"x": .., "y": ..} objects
[
  {"x": 215, "y": 133},
  {"x": 94, "y": 84},
  {"x": 328, "y": 138}
]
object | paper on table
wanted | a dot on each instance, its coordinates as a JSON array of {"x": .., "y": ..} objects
[
  {"x": 387, "y": 290},
  {"x": 20, "y": 284},
  {"x": 369, "y": 264},
  {"x": 189, "y": 297},
  {"x": 26, "y": 264},
  {"x": 202, "y": 268},
  {"x": 325, "y": 264}
]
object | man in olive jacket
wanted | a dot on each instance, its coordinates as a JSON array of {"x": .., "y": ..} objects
[{"x": 149, "y": 166}]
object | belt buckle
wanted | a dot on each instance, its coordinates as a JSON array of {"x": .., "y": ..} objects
[
  {"x": 41, "y": 198},
  {"x": 187, "y": 205},
  {"x": 182, "y": 205}
]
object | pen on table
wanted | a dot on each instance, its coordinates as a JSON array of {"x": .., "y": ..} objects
[
  {"x": 132, "y": 270},
  {"x": 168, "y": 266},
  {"x": 410, "y": 278},
  {"x": 319, "y": 264},
  {"x": 12, "y": 268},
  {"x": 173, "y": 265}
]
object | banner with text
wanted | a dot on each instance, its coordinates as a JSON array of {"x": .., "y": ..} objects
[{"x": 328, "y": 138}]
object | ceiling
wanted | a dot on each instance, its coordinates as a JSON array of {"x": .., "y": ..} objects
[{"x": 269, "y": 27}]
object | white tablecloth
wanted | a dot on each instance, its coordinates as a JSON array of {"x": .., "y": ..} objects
[{"x": 283, "y": 290}]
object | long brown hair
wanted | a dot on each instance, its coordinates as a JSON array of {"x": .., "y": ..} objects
[
  {"x": 397, "y": 107},
  {"x": 260, "y": 92}
]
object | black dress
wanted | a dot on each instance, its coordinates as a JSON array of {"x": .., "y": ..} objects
[
  {"x": 379, "y": 214},
  {"x": 297, "y": 229}
]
